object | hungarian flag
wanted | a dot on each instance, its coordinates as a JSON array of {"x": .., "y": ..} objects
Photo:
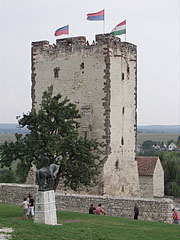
[
  {"x": 119, "y": 29},
  {"x": 98, "y": 16},
  {"x": 62, "y": 30}
]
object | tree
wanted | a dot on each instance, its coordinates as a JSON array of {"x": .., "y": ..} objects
[
  {"x": 7, "y": 176},
  {"x": 53, "y": 129},
  {"x": 170, "y": 141},
  {"x": 147, "y": 145},
  {"x": 178, "y": 142},
  {"x": 171, "y": 165}
]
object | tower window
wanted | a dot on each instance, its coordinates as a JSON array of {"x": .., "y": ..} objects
[
  {"x": 122, "y": 76},
  {"x": 56, "y": 72},
  {"x": 123, "y": 109},
  {"x": 117, "y": 164},
  {"x": 82, "y": 65},
  {"x": 128, "y": 69},
  {"x": 122, "y": 141}
]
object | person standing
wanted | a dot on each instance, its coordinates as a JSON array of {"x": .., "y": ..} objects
[
  {"x": 28, "y": 198},
  {"x": 136, "y": 212},
  {"x": 25, "y": 205},
  {"x": 175, "y": 217},
  {"x": 31, "y": 206}
]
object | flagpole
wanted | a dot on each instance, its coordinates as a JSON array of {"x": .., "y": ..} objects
[
  {"x": 125, "y": 37},
  {"x": 104, "y": 24}
]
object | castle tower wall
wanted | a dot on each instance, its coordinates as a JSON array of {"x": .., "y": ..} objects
[
  {"x": 101, "y": 80},
  {"x": 121, "y": 169}
]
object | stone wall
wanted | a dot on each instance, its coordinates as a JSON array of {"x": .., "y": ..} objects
[
  {"x": 152, "y": 209},
  {"x": 149, "y": 209},
  {"x": 14, "y": 193},
  {"x": 158, "y": 180},
  {"x": 146, "y": 186}
]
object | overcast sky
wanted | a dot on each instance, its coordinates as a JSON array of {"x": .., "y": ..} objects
[{"x": 151, "y": 25}]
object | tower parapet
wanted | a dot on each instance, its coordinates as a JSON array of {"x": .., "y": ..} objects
[
  {"x": 111, "y": 44},
  {"x": 41, "y": 44}
]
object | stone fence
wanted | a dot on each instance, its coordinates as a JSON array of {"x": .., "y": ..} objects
[{"x": 149, "y": 209}]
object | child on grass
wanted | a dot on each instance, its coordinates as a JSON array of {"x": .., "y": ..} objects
[{"x": 25, "y": 205}]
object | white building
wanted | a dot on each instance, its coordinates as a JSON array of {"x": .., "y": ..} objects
[
  {"x": 151, "y": 177},
  {"x": 172, "y": 147}
]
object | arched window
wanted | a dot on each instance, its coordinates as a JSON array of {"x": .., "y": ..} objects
[{"x": 56, "y": 72}]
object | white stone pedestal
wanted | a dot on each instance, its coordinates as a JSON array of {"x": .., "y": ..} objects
[{"x": 45, "y": 208}]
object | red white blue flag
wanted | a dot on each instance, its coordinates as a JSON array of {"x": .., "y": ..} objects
[
  {"x": 62, "y": 30},
  {"x": 98, "y": 16}
]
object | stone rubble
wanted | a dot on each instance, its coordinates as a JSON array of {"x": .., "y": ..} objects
[{"x": 5, "y": 233}]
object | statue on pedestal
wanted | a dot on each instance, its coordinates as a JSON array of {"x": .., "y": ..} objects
[{"x": 45, "y": 175}]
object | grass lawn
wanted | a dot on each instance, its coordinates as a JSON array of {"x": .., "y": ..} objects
[{"x": 79, "y": 226}]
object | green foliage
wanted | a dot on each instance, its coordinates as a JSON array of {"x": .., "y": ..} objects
[
  {"x": 178, "y": 142},
  {"x": 150, "y": 152},
  {"x": 53, "y": 129},
  {"x": 147, "y": 145},
  {"x": 170, "y": 141},
  {"x": 171, "y": 165},
  {"x": 7, "y": 176},
  {"x": 81, "y": 226}
]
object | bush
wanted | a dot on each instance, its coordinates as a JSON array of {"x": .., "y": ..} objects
[{"x": 7, "y": 176}]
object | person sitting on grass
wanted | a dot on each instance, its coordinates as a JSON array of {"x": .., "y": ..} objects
[
  {"x": 175, "y": 217},
  {"x": 92, "y": 209},
  {"x": 99, "y": 210},
  {"x": 25, "y": 205}
]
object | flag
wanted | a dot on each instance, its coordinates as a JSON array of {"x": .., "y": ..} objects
[
  {"x": 119, "y": 29},
  {"x": 99, "y": 16},
  {"x": 62, "y": 30}
]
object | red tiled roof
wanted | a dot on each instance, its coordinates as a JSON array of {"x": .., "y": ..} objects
[{"x": 146, "y": 165}]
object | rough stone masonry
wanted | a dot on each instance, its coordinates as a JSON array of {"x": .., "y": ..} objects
[
  {"x": 101, "y": 79},
  {"x": 159, "y": 209}
]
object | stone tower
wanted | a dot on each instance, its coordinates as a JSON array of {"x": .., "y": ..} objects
[{"x": 101, "y": 79}]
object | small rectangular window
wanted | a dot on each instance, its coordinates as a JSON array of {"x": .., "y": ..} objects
[
  {"x": 122, "y": 76},
  {"x": 123, "y": 110}
]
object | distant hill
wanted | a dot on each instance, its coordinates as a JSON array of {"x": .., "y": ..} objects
[
  {"x": 7, "y": 128},
  {"x": 159, "y": 129},
  {"x": 13, "y": 128}
]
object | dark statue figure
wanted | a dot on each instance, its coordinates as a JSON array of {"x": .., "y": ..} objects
[{"x": 45, "y": 175}]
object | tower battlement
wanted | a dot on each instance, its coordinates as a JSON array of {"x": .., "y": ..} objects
[{"x": 110, "y": 45}]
